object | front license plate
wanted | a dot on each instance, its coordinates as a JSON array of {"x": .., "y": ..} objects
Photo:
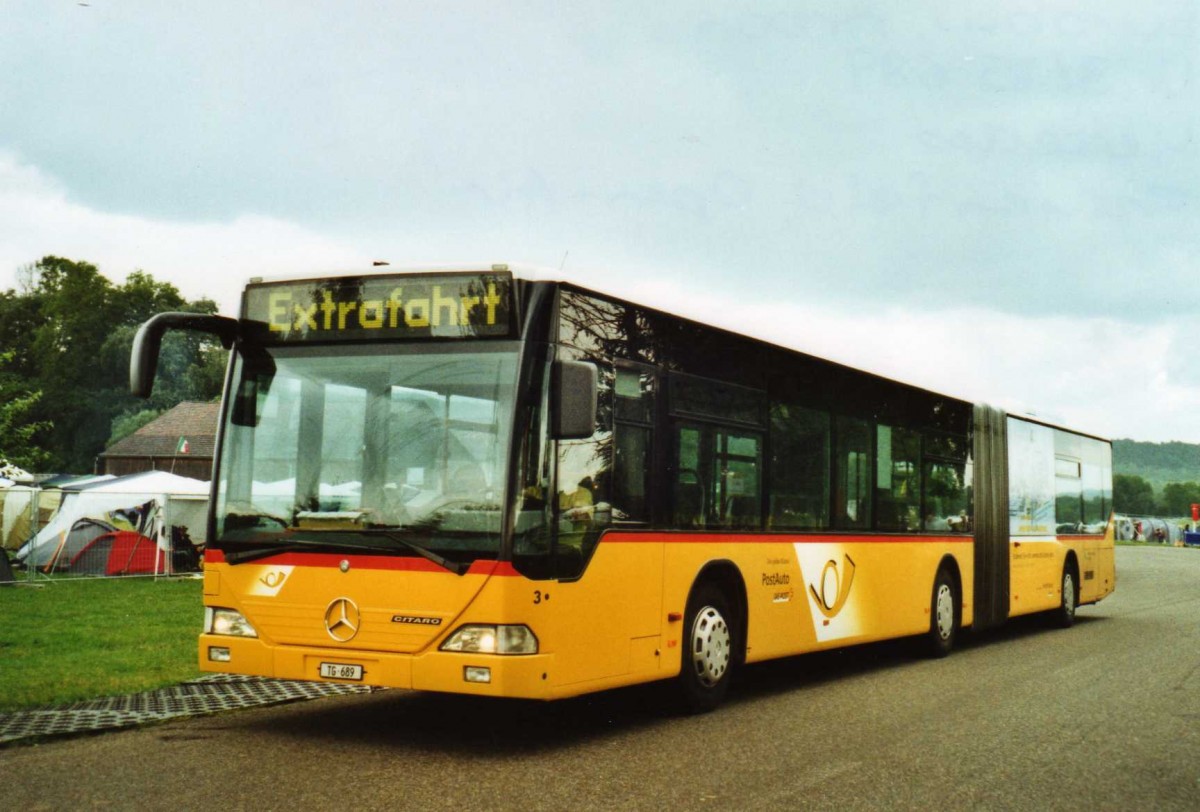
[{"x": 341, "y": 671}]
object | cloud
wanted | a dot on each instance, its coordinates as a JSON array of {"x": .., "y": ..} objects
[
  {"x": 1111, "y": 377},
  {"x": 207, "y": 259},
  {"x": 1028, "y": 158}
]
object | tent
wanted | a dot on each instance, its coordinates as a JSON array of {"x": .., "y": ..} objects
[
  {"x": 1124, "y": 528},
  {"x": 75, "y": 481},
  {"x": 16, "y": 516},
  {"x": 69, "y": 544},
  {"x": 147, "y": 503},
  {"x": 12, "y": 474},
  {"x": 23, "y": 509},
  {"x": 121, "y": 552}
]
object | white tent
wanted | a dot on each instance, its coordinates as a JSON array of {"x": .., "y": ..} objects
[
  {"x": 16, "y": 515},
  {"x": 149, "y": 501},
  {"x": 11, "y": 474},
  {"x": 151, "y": 482},
  {"x": 14, "y": 501},
  {"x": 26, "y": 508}
]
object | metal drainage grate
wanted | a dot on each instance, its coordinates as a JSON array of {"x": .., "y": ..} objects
[{"x": 208, "y": 694}]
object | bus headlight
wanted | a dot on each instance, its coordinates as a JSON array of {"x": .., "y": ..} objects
[
  {"x": 480, "y": 638},
  {"x": 219, "y": 620}
]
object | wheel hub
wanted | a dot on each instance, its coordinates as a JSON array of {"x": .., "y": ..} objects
[
  {"x": 711, "y": 647},
  {"x": 945, "y": 611}
]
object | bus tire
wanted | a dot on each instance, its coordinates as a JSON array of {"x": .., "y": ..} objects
[
  {"x": 943, "y": 614},
  {"x": 709, "y": 643},
  {"x": 1064, "y": 616}
]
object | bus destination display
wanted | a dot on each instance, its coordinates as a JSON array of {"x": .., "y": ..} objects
[{"x": 384, "y": 307}]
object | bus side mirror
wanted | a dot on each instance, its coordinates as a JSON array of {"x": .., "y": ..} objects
[
  {"x": 574, "y": 396},
  {"x": 143, "y": 361}
]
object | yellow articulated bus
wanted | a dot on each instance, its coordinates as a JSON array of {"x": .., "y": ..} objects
[{"x": 486, "y": 483}]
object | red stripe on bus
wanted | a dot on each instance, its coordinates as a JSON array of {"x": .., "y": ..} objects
[{"x": 506, "y": 569}]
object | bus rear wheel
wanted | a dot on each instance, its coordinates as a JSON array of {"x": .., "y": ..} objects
[
  {"x": 708, "y": 655},
  {"x": 943, "y": 614},
  {"x": 1065, "y": 616}
]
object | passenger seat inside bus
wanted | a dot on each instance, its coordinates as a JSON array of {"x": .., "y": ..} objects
[
  {"x": 689, "y": 505},
  {"x": 742, "y": 513}
]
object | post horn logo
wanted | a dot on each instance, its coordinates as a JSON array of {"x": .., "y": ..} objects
[
  {"x": 342, "y": 619},
  {"x": 273, "y": 580},
  {"x": 835, "y": 587}
]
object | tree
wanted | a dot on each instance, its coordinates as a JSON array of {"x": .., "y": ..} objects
[
  {"x": 18, "y": 319},
  {"x": 69, "y": 331},
  {"x": 1178, "y": 498},
  {"x": 75, "y": 318},
  {"x": 18, "y": 433},
  {"x": 127, "y": 424},
  {"x": 1133, "y": 495}
]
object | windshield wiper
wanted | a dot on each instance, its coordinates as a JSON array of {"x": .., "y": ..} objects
[
  {"x": 292, "y": 545},
  {"x": 456, "y": 567}
]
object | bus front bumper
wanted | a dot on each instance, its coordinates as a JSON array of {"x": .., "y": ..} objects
[{"x": 518, "y": 676}]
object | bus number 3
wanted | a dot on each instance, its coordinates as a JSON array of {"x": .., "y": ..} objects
[{"x": 539, "y": 596}]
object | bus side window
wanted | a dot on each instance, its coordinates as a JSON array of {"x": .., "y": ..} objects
[
  {"x": 633, "y": 433},
  {"x": 799, "y": 475},
  {"x": 1068, "y": 495},
  {"x": 688, "y": 502},
  {"x": 716, "y": 455},
  {"x": 897, "y": 478},
  {"x": 533, "y": 539},
  {"x": 946, "y": 474},
  {"x": 740, "y": 494},
  {"x": 717, "y": 482},
  {"x": 1097, "y": 494},
  {"x": 852, "y": 496}
]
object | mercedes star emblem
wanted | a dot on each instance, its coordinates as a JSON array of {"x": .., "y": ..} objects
[{"x": 342, "y": 619}]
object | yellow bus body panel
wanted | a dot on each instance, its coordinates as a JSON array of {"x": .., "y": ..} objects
[
  {"x": 1036, "y": 564},
  {"x": 621, "y": 623}
]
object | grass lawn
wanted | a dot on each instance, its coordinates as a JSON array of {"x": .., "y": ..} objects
[{"x": 76, "y": 639}]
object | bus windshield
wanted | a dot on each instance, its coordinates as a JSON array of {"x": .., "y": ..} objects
[{"x": 394, "y": 447}]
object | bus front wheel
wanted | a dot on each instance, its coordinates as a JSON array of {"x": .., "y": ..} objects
[
  {"x": 943, "y": 615},
  {"x": 708, "y": 649}
]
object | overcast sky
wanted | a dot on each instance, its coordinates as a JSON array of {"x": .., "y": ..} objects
[{"x": 996, "y": 200}]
